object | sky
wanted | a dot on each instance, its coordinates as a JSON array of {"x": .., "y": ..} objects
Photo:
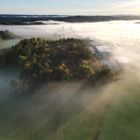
[{"x": 70, "y": 7}]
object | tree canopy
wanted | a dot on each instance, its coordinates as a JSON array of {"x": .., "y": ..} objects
[{"x": 42, "y": 61}]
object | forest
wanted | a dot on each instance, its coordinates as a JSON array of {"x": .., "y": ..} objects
[{"x": 41, "y": 61}]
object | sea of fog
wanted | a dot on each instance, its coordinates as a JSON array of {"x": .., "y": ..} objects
[{"x": 121, "y": 37}]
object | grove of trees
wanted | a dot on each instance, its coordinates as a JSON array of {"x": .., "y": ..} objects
[{"x": 42, "y": 61}]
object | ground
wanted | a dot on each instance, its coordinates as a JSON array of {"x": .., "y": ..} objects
[{"x": 122, "y": 121}]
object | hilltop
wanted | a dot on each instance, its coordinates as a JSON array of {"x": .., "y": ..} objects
[
  {"x": 38, "y": 19},
  {"x": 42, "y": 61}
]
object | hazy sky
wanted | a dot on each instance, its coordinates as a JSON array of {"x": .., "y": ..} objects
[{"x": 70, "y": 7}]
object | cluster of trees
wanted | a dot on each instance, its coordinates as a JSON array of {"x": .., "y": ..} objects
[
  {"x": 42, "y": 61},
  {"x": 6, "y": 35}
]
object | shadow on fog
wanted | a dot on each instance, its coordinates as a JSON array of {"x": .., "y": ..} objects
[{"x": 51, "y": 111}]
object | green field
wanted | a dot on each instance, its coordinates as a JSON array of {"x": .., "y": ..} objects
[
  {"x": 123, "y": 119},
  {"x": 72, "y": 111}
]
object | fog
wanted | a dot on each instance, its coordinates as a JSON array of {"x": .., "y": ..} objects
[
  {"x": 121, "y": 37},
  {"x": 56, "y": 106}
]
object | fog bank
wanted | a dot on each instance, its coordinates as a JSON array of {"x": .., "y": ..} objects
[{"x": 58, "y": 110}]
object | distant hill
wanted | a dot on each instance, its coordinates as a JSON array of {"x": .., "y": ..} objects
[{"x": 33, "y": 19}]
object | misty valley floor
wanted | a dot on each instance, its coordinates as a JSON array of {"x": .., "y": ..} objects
[
  {"x": 71, "y": 111},
  {"x": 123, "y": 119},
  {"x": 56, "y": 112}
]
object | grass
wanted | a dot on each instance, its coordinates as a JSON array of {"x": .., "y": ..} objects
[{"x": 123, "y": 119}]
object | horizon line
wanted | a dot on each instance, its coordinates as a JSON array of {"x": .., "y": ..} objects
[{"x": 70, "y": 14}]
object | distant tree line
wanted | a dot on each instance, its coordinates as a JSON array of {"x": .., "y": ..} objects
[{"x": 35, "y": 19}]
